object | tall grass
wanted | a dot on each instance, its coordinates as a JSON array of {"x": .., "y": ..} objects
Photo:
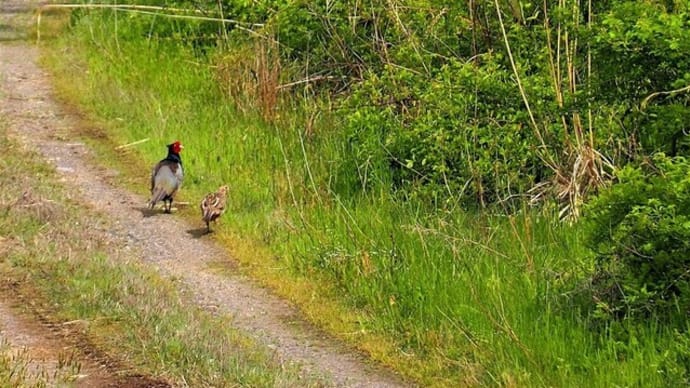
[{"x": 459, "y": 297}]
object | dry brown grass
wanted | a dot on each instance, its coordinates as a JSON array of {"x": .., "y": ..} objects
[
  {"x": 584, "y": 172},
  {"x": 251, "y": 77}
]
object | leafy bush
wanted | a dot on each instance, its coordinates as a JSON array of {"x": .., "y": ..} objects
[
  {"x": 640, "y": 231},
  {"x": 640, "y": 48},
  {"x": 463, "y": 132}
]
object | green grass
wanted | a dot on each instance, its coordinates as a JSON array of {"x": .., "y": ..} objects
[
  {"x": 134, "y": 317},
  {"x": 443, "y": 296}
]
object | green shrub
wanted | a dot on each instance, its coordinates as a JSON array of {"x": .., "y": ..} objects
[
  {"x": 640, "y": 231},
  {"x": 463, "y": 132},
  {"x": 640, "y": 48}
]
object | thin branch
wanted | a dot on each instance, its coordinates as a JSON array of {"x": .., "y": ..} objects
[
  {"x": 552, "y": 63},
  {"x": 132, "y": 144},
  {"x": 657, "y": 94},
  {"x": 304, "y": 81},
  {"x": 146, "y": 10},
  {"x": 589, "y": 75}
]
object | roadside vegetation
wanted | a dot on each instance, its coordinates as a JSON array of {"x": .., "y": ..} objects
[
  {"x": 124, "y": 315},
  {"x": 481, "y": 192}
]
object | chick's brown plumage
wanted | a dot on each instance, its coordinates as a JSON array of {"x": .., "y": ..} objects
[{"x": 213, "y": 206}]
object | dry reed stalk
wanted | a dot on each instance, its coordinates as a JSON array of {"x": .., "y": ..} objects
[
  {"x": 517, "y": 75},
  {"x": 222, "y": 16},
  {"x": 554, "y": 66},
  {"x": 545, "y": 157},
  {"x": 552, "y": 62},
  {"x": 583, "y": 169},
  {"x": 589, "y": 72}
]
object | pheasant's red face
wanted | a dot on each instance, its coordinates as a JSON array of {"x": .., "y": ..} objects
[{"x": 177, "y": 147}]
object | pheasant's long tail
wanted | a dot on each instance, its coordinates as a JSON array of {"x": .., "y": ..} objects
[{"x": 158, "y": 194}]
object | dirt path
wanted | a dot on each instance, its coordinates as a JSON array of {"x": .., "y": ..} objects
[{"x": 162, "y": 241}]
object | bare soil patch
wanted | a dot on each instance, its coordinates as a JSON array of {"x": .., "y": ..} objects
[{"x": 165, "y": 242}]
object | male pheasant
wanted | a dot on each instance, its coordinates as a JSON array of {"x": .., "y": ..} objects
[{"x": 166, "y": 178}]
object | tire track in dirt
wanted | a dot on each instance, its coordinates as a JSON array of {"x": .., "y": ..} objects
[
  {"x": 41, "y": 357},
  {"x": 162, "y": 240},
  {"x": 46, "y": 354}
]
